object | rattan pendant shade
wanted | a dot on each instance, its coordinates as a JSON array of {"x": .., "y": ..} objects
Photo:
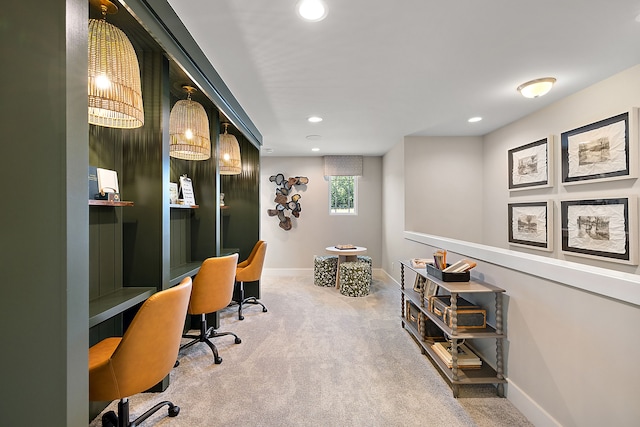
[
  {"x": 189, "y": 137},
  {"x": 115, "y": 93},
  {"x": 230, "y": 162}
]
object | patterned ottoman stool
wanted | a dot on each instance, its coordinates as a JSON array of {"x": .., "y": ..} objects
[
  {"x": 325, "y": 269},
  {"x": 355, "y": 278},
  {"x": 367, "y": 259}
]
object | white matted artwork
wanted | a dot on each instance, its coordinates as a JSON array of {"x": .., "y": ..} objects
[
  {"x": 531, "y": 165},
  {"x": 531, "y": 225},
  {"x": 601, "y": 228},
  {"x": 603, "y": 150}
]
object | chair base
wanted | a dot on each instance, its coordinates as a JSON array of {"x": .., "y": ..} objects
[
  {"x": 110, "y": 419},
  {"x": 204, "y": 335},
  {"x": 250, "y": 300}
]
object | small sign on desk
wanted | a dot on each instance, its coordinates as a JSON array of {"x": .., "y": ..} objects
[{"x": 186, "y": 189}]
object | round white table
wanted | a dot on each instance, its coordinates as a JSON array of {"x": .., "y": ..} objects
[{"x": 345, "y": 255}]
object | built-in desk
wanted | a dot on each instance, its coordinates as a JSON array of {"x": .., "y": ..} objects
[
  {"x": 185, "y": 270},
  {"x": 114, "y": 303}
]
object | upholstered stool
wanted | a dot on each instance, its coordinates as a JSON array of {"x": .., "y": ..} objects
[
  {"x": 355, "y": 278},
  {"x": 325, "y": 269},
  {"x": 367, "y": 259}
]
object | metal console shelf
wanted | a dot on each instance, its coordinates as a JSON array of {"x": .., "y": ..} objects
[{"x": 456, "y": 376}]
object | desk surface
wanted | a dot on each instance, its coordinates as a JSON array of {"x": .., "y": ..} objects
[{"x": 359, "y": 250}]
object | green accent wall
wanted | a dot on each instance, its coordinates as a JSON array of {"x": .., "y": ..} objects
[{"x": 57, "y": 253}]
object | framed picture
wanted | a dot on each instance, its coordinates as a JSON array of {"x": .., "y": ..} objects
[
  {"x": 531, "y": 165},
  {"x": 430, "y": 287},
  {"x": 531, "y": 225},
  {"x": 601, "y": 228},
  {"x": 601, "y": 151}
]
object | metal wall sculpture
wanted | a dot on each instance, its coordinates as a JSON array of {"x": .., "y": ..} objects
[{"x": 287, "y": 199}]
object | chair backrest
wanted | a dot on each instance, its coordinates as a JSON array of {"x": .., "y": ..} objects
[
  {"x": 252, "y": 255},
  {"x": 252, "y": 270},
  {"x": 213, "y": 285},
  {"x": 149, "y": 348}
]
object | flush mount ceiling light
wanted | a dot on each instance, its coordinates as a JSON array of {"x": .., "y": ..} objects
[
  {"x": 312, "y": 10},
  {"x": 115, "y": 93},
  {"x": 314, "y": 119},
  {"x": 537, "y": 87},
  {"x": 230, "y": 162},
  {"x": 189, "y": 137},
  {"x": 474, "y": 119}
]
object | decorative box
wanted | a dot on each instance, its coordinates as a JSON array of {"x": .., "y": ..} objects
[
  {"x": 446, "y": 276},
  {"x": 470, "y": 316},
  {"x": 428, "y": 332}
]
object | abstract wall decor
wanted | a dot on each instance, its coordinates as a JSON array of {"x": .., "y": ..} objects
[{"x": 287, "y": 199}]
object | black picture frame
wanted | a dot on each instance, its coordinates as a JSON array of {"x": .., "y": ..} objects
[
  {"x": 601, "y": 154},
  {"x": 531, "y": 165},
  {"x": 518, "y": 232},
  {"x": 587, "y": 228}
]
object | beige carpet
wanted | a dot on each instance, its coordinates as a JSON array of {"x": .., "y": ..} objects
[{"x": 318, "y": 358}]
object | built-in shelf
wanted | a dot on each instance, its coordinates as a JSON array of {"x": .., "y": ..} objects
[
  {"x": 182, "y": 271},
  {"x": 114, "y": 303},
  {"x": 93, "y": 202},
  {"x": 178, "y": 206}
]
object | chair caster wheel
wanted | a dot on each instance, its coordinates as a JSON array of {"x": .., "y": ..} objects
[
  {"x": 238, "y": 340},
  {"x": 174, "y": 411},
  {"x": 217, "y": 360},
  {"x": 264, "y": 310},
  {"x": 241, "y": 317},
  {"x": 175, "y": 365},
  {"x": 110, "y": 419}
]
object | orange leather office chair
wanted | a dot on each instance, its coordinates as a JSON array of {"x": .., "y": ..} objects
[
  {"x": 212, "y": 291},
  {"x": 122, "y": 367},
  {"x": 250, "y": 270}
]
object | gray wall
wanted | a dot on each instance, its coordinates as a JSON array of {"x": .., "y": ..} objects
[
  {"x": 44, "y": 217},
  {"x": 316, "y": 229},
  {"x": 608, "y": 98},
  {"x": 443, "y": 186},
  {"x": 571, "y": 321}
]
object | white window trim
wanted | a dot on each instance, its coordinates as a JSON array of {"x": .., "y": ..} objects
[{"x": 355, "y": 198}]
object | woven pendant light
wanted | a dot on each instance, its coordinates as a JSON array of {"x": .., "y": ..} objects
[
  {"x": 189, "y": 129},
  {"x": 230, "y": 162},
  {"x": 115, "y": 93}
]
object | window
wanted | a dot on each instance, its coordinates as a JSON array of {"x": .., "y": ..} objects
[{"x": 343, "y": 195}]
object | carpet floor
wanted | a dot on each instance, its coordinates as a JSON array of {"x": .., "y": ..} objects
[{"x": 318, "y": 358}]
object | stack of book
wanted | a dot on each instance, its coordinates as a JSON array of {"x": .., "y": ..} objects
[
  {"x": 420, "y": 262},
  {"x": 466, "y": 358},
  {"x": 460, "y": 266}
]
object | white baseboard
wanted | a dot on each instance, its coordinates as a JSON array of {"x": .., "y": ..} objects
[
  {"x": 529, "y": 408},
  {"x": 271, "y": 272},
  {"x": 287, "y": 272}
]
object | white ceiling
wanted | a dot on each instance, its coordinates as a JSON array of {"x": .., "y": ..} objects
[{"x": 377, "y": 71}]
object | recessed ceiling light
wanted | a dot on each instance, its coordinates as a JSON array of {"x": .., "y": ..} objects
[
  {"x": 315, "y": 149},
  {"x": 312, "y": 10},
  {"x": 314, "y": 119},
  {"x": 474, "y": 119},
  {"x": 313, "y": 137}
]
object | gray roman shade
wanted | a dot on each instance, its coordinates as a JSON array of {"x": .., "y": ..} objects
[{"x": 342, "y": 165}]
